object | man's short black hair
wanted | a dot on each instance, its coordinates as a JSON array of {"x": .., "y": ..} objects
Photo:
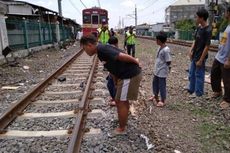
[
  {"x": 202, "y": 13},
  {"x": 88, "y": 39},
  {"x": 162, "y": 36},
  {"x": 113, "y": 40}
]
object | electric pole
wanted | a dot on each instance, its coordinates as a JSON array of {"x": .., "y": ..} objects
[
  {"x": 123, "y": 25},
  {"x": 206, "y": 4},
  {"x": 211, "y": 12},
  {"x": 135, "y": 16},
  {"x": 209, "y": 8},
  {"x": 59, "y": 7}
]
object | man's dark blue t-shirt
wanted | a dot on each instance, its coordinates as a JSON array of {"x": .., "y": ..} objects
[
  {"x": 122, "y": 70},
  {"x": 202, "y": 39}
]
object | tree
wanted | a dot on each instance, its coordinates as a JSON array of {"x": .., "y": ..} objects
[{"x": 185, "y": 24}]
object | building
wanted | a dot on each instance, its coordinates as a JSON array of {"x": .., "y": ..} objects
[
  {"x": 182, "y": 9},
  {"x": 24, "y": 26},
  {"x": 157, "y": 27},
  {"x": 142, "y": 29}
]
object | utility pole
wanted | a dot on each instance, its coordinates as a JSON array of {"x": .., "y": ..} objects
[
  {"x": 209, "y": 8},
  {"x": 211, "y": 12},
  {"x": 123, "y": 23},
  {"x": 59, "y": 7},
  {"x": 119, "y": 23},
  {"x": 99, "y": 3},
  {"x": 135, "y": 16},
  {"x": 206, "y": 4}
]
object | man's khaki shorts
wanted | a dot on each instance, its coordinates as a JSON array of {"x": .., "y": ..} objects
[{"x": 127, "y": 89}]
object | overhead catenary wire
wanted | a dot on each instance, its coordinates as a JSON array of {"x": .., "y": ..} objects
[
  {"x": 152, "y": 11},
  {"x": 143, "y": 2},
  {"x": 145, "y": 8},
  {"x": 74, "y": 6},
  {"x": 83, "y": 4}
]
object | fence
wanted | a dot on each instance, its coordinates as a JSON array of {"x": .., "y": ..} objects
[
  {"x": 23, "y": 34},
  {"x": 154, "y": 34},
  {"x": 185, "y": 34}
]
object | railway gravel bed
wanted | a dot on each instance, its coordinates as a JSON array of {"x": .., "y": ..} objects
[
  {"x": 48, "y": 108},
  {"x": 184, "y": 124},
  {"x": 59, "y": 97},
  {"x": 40, "y": 64},
  {"x": 38, "y": 145},
  {"x": 50, "y": 114},
  {"x": 42, "y": 124}
]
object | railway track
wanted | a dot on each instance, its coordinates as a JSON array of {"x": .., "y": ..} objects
[
  {"x": 55, "y": 109},
  {"x": 213, "y": 48}
]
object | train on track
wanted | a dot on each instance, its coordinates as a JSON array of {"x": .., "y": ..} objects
[{"x": 93, "y": 19}]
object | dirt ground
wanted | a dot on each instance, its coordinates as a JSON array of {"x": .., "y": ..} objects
[{"x": 184, "y": 124}]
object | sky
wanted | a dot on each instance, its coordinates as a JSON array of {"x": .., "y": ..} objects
[{"x": 148, "y": 11}]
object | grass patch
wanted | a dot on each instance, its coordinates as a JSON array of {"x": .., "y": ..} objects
[
  {"x": 200, "y": 111},
  {"x": 215, "y": 137},
  {"x": 175, "y": 106}
]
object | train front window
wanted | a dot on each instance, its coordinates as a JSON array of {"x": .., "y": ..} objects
[
  {"x": 103, "y": 18},
  {"x": 87, "y": 19},
  {"x": 94, "y": 19}
]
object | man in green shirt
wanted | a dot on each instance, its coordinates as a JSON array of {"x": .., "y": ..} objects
[
  {"x": 104, "y": 34},
  {"x": 130, "y": 41}
]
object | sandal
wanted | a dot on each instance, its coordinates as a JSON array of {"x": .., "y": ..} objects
[
  {"x": 118, "y": 131},
  {"x": 224, "y": 104},
  {"x": 154, "y": 98},
  {"x": 160, "y": 104},
  {"x": 112, "y": 103},
  {"x": 216, "y": 95}
]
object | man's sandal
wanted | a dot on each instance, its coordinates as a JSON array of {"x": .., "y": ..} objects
[
  {"x": 112, "y": 103},
  {"x": 224, "y": 105},
  {"x": 160, "y": 104},
  {"x": 216, "y": 95},
  {"x": 117, "y": 131},
  {"x": 153, "y": 98}
]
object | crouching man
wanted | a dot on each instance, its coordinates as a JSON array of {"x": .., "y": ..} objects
[{"x": 126, "y": 70}]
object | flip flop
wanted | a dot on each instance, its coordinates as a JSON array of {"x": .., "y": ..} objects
[
  {"x": 216, "y": 95},
  {"x": 224, "y": 105},
  {"x": 112, "y": 103},
  {"x": 160, "y": 104},
  {"x": 117, "y": 132},
  {"x": 153, "y": 98}
]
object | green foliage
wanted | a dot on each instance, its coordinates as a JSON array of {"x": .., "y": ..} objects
[
  {"x": 185, "y": 24},
  {"x": 222, "y": 24}
]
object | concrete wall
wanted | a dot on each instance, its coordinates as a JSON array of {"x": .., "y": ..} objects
[{"x": 3, "y": 32}]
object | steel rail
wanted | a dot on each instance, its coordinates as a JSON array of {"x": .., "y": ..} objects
[
  {"x": 17, "y": 108},
  {"x": 75, "y": 142},
  {"x": 213, "y": 48}
]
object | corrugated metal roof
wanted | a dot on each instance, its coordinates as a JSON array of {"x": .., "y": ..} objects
[{"x": 188, "y": 2}]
